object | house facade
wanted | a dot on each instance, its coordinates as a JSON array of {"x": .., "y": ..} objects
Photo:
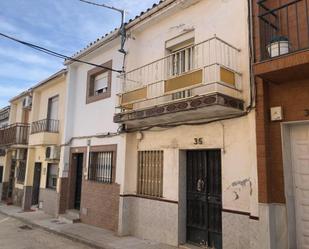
[
  {"x": 91, "y": 164},
  {"x": 46, "y": 131},
  {"x": 186, "y": 108},
  {"x": 14, "y": 140},
  {"x": 281, "y": 77},
  {"x": 4, "y": 122}
]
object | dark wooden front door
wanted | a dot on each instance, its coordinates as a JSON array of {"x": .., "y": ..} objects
[
  {"x": 11, "y": 179},
  {"x": 204, "y": 198},
  {"x": 36, "y": 183},
  {"x": 79, "y": 178}
]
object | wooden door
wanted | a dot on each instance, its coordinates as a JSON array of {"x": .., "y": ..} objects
[{"x": 36, "y": 183}]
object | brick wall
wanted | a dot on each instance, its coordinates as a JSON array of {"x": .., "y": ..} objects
[
  {"x": 100, "y": 204},
  {"x": 293, "y": 97}
]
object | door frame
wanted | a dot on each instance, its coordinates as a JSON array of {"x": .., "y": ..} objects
[
  {"x": 288, "y": 179},
  {"x": 72, "y": 174}
]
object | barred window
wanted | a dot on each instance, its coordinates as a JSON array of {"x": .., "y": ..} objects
[
  {"x": 101, "y": 167},
  {"x": 150, "y": 173},
  {"x": 52, "y": 175},
  {"x": 21, "y": 172}
]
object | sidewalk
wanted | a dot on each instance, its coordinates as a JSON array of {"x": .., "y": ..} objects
[{"x": 88, "y": 235}]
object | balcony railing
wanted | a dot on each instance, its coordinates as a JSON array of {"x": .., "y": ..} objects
[
  {"x": 16, "y": 134},
  {"x": 284, "y": 28},
  {"x": 206, "y": 67},
  {"x": 45, "y": 125}
]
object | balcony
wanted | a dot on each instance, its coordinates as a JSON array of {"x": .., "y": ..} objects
[
  {"x": 15, "y": 134},
  {"x": 198, "y": 82},
  {"x": 283, "y": 40},
  {"x": 44, "y": 131}
]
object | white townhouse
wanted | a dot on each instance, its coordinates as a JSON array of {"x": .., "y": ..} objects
[
  {"x": 186, "y": 104},
  {"x": 166, "y": 150}
]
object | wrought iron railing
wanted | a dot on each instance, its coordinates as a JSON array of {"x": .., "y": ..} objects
[
  {"x": 284, "y": 28},
  {"x": 45, "y": 125},
  {"x": 14, "y": 134}
]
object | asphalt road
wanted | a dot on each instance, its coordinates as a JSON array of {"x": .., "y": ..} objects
[{"x": 16, "y": 235}]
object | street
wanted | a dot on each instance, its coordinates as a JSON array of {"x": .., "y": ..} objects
[{"x": 16, "y": 235}]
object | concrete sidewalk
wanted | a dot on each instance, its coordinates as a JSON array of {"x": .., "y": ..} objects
[{"x": 88, "y": 235}]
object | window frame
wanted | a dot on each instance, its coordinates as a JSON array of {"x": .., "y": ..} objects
[
  {"x": 20, "y": 173},
  {"x": 144, "y": 190},
  {"x": 47, "y": 176},
  {"x": 90, "y": 83},
  {"x": 104, "y": 148}
]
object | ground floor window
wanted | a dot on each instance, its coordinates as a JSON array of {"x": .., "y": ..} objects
[
  {"x": 52, "y": 175},
  {"x": 21, "y": 172},
  {"x": 101, "y": 167},
  {"x": 150, "y": 173}
]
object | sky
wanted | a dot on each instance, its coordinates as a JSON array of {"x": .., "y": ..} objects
[{"x": 65, "y": 26}]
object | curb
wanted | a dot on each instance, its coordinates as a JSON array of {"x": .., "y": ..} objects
[{"x": 64, "y": 235}]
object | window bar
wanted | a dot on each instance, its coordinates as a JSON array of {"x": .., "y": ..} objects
[{"x": 297, "y": 26}]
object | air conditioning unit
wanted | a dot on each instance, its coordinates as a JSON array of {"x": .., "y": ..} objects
[
  {"x": 27, "y": 102},
  {"x": 52, "y": 153}
]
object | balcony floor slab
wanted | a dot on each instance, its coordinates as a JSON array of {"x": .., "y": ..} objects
[{"x": 192, "y": 110}]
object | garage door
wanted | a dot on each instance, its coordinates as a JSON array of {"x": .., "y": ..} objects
[{"x": 300, "y": 168}]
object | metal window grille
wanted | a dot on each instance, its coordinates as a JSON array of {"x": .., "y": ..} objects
[
  {"x": 181, "y": 61},
  {"x": 101, "y": 167},
  {"x": 21, "y": 172},
  {"x": 150, "y": 173}
]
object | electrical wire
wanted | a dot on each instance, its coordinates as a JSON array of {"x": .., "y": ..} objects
[{"x": 55, "y": 54}]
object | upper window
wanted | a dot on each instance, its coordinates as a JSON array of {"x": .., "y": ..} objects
[
  {"x": 181, "y": 54},
  {"x": 52, "y": 174},
  {"x": 99, "y": 83}
]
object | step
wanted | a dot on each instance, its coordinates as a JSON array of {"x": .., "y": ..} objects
[
  {"x": 189, "y": 246},
  {"x": 70, "y": 217}
]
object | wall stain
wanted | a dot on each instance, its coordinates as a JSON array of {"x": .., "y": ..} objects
[{"x": 239, "y": 185}]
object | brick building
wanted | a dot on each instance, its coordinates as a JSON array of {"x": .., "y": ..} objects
[{"x": 281, "y": 68}]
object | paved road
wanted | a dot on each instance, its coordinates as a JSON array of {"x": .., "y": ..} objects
[{"x": 17, "y": 235}]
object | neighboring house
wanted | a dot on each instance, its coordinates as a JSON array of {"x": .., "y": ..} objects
[
  {"x": 46, "y": 131},
  {"x": 190, "y": 162},
  {"x": 4, "y": 121},
  {"x": 92, "y": 156},
  {"x": 282, "y": 81},
  {"x": 14, "y": 138}
]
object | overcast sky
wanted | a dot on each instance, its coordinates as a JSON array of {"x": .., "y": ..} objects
[{"x": 65, "y": 26}]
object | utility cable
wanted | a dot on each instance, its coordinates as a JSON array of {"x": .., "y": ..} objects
[{"x": 55, "y": 54}]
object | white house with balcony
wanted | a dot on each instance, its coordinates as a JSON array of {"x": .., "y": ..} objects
[{"x": 185, "y": 102}]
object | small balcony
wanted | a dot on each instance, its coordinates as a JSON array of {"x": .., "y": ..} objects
[
  {"x": 44, "y": 131},
  {"x": 202, "y": 81},
  {"x": 14, "y": 135},
  {"x": 283, "y": 39}
]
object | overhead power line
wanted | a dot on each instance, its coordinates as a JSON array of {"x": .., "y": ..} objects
[{"x": 56, "y": 54}]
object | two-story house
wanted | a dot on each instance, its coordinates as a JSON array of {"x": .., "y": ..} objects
[
  {"x": 281, "y": 68},
  {"x": 14, "y": 138},
  {"x": 4, "y": 122},
  {"x": 91, "y": 164},
  {"x": 186, "y": 106},
  {"x": 46, "y": 131}
]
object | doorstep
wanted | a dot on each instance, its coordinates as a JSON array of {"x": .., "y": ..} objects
[{"x": 82, "y": 233}]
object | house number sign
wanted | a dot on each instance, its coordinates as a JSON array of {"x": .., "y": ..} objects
[{"x": 198, "y": 140}]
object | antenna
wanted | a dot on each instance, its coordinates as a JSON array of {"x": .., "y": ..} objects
[{"x": 122, "y": 29}]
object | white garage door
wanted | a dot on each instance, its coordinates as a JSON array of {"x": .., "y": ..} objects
[{"x": 300, "y": 169}]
